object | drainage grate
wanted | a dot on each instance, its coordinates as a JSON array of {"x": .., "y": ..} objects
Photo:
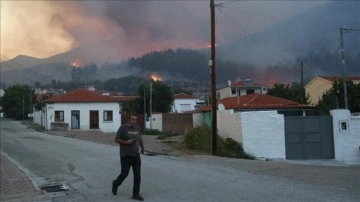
[{"x": 54, "y": 188}]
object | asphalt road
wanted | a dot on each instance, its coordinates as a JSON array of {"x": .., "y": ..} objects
[{"x": 87, "y": 169}]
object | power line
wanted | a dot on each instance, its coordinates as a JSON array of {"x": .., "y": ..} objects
[
  {"x": 238, "y": 25},
  {"x": 255, "y": 13},
  {"x": 220, "y": 4}
]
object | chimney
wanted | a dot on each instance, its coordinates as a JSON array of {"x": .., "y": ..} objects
[{"x": 229, "y": 82}]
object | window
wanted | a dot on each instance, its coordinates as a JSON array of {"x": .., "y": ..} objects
[
  {"x": 59, "y": 115},
  {"x": 250, "y": 91},
  {"x": 233, "y": 91},
  {"x": 108, "y": 115}
]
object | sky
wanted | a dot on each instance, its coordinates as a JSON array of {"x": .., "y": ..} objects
[{"x": 131, "y": 28}]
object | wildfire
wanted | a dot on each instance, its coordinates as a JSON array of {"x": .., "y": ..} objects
[
  {"x": 75, "y": 63},
  {"x": 155, "y": 78}
]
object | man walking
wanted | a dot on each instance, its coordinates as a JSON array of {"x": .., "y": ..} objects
[{"x": 129, "y": 138}]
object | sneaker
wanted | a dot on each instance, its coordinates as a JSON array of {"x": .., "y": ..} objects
[
  {"x": 138, "y": 197},
  {"x": 114, "y": 188}
]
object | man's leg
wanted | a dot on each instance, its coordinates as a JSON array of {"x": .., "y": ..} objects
[
  {"x": 136, "y": 166},
  {"x": 125, "y": 168}
]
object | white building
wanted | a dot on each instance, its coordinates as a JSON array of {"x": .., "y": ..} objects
[
  {"x": 240, "y": 88},
  {"x": 184, "y": 102},
  {"x": 80, "y": 109}
]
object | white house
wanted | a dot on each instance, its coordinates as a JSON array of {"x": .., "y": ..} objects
[
  {"x": 184, "y": 103},
  {"x": 81, "y": 109},
  {"x": 240, "y": 88}
]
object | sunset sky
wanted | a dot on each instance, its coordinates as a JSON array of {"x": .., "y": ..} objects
[{"x": 44, "y": 28}]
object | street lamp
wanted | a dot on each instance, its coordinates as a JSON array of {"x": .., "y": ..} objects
[
  {"x": 155, "y": 78},
  {"x": 150, "y": 109}
]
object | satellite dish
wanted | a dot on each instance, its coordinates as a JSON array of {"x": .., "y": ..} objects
[{"x": 221, "y": 107}]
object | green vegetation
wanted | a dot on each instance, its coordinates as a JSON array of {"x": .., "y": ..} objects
[
  {"x": 17, "y": 101},
  {"x": 200, "y": 139},
  {"x": 294, "y": 92},
  {"x": 334, "y": 98}
]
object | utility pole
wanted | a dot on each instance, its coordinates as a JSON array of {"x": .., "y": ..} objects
[
  {"x": 144, "y": 109},
  {"x": 23, "y": 99},
  {"x": 213, "y": 82},
  {"x": 344, "y": 67},
  {"x": 302, "y": 83}
]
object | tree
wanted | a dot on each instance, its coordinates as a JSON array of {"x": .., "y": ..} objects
[
  {"x": 162, "y": 98},
  {"x": 16, "y": 101},
  {"x": 294, "y": 92},
  {"x": 334, "y": 98}
]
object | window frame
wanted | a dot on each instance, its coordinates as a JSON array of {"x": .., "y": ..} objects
[
  {"x": 59, "y": 116},
  {"x": 108, "y": 115}
]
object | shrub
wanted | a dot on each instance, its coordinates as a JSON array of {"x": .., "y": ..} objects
[{"x": 200, "y": 139}]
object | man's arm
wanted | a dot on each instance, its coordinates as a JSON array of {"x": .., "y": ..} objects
[
  {"x": 141, "y": 145},
  {"x": 121, "y": 141}
]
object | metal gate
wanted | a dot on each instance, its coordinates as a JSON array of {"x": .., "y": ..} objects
[{"x": 309, "y": 137}]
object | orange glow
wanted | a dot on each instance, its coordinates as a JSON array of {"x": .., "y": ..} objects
[
  {"x": 155, "y": 78},
  {"x": 75, "y": 63}
]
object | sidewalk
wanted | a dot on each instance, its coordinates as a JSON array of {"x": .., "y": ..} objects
[{"x": 14, "y": 184}]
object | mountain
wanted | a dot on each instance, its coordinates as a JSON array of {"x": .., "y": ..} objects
[{"x": 20, "y": 62}]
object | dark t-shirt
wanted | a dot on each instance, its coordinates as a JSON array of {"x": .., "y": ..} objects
[{"x": 127, "y": 132}]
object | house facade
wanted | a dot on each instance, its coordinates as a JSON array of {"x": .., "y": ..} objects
[
  {"x": 184, "y": 103},
  {"x": 320, "y": 84},
  {"x": 241, "y": 88},
  {"x": 80, "y": 109}
]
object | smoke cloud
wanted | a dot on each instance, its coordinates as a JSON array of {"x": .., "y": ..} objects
[{"x": 123, "y": 29}]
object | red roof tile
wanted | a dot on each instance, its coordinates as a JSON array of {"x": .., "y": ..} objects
[
  {"x": 183, "y": 96},
  {"x": 257, "y": 101},
  {"x": 81, "y": 95},
  {"x": 124, "y": 98}
]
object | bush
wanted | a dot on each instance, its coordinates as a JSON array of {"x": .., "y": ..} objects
[
  {"x": 200, "y": 139},
  {"x": 231, "y": 148}
]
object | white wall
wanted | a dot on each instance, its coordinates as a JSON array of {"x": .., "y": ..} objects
[
  {"x": 37, "y": 117},
  {"x": 176, "y": 108},
  {"x": 346, "y": 141},
  {"x": 262, "y": 133},
  {"x": 156, "y": 123},
  {"x": 84, "y": 108}
]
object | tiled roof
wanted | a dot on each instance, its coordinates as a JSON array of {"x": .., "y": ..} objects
[
  {"x": 335, "y": 78},
  {"x": 123, "y": 98},
  {"x": 81, "y": 95},
  {"x": 183, "y": 96},
  {"x": 257, "y": 101}
]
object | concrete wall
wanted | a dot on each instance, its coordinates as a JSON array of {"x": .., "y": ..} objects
[
  {"x": 346, "y": 136},
  {"x": 262, "y": 133},
  {"x": 156, "y": 123},
  {"x": 84, "y": 108},
  {"x": 198, "y": 120},
  {"x": 229, "y": 125}
]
